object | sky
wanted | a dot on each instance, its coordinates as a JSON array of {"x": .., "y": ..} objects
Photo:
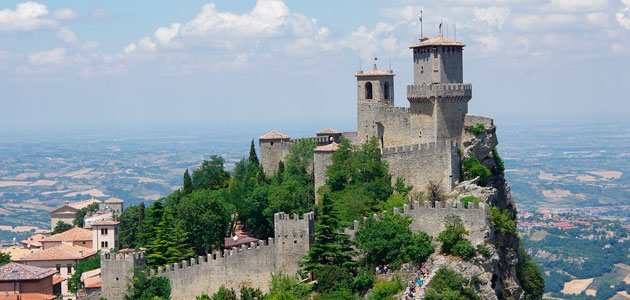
[{"x": 275, "y": 64}]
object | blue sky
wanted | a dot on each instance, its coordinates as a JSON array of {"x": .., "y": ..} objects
[{"x": 282, "y": 64}]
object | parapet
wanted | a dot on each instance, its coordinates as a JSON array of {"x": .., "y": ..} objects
[
  {"x": 431, "y": 146},
  {"x": 448, "y": 91},
  {"x": 472, "y": 120}
]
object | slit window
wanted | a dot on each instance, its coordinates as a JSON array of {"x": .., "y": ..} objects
[{"x": 368, "y": 90}]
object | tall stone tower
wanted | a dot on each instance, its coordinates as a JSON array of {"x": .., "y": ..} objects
[
  {"x": 375, "y": 91},
  {"x": 438, "y": 92}
]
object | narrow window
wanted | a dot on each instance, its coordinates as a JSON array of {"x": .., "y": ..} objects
[
  {"x": 58, "y": 266},
  {"x": 368, "y": 90},
  {"x": 386, "y": 90},
  {"x": 69, "y": 268}
]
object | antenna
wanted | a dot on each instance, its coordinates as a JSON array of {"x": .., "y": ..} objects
[
  {"x": 375, "y": 59},
  {"x": 421, "y": 34},
  {"x": 440, "y": 28}
]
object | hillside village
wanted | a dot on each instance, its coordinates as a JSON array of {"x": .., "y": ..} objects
[{"x": 427, "y": 179}]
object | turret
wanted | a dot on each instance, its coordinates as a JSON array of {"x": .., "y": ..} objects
[{"x": 376, "y": 86}]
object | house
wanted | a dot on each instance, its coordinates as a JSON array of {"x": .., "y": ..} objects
[
  {"x": 105, "y": 235},
  {"x": 68, "y": 211},
  {"x": 61, "y": 258},
  {"x": 114, "y": 204},
  {"x": 75, "y": 236},
  {"x": 19, "y": 281},
  {"x": 34, "y": 241},
  {"x": 97, "y": 216}
]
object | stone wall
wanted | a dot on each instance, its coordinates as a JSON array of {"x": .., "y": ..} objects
[
  {"x": 272, "y": 152},
  {"x": 116, "y": 272},
  {"x": 430, "y": 219},
  {"x": 421, "y": 163},
  {"x": 321, "y": 160}
]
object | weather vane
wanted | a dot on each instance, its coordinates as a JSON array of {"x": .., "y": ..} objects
[{"x": 421, "y": 34}]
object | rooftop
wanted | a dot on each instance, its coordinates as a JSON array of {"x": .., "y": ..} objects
[
  {"x": 61, "y": 252},
  {"x": 114, "y": 200},
  {"x": 17, "y": 252},
  {"x": 274, "y": 135},
  {"x": 34, "y": 240},
  {"x": 437, "y": 41},
  {"x": 328, "y": 131},
  {"x": 83, "y": 204},
  {"x": 332, "y": 147},
  {"x": 236, "y": 241},
  {"x": 105, "y": 223},
  {"x": 14, "y": 272},
  {"x": 28, "y": 296},
  {"x": 375, "y": 72},
  {"x": 74, "y": 234}
]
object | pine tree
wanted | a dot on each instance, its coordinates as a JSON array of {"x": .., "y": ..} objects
[
  {"x": 188, "y": 183},
  {"x": 253, "y": 158},
  {"x": 330, "y": 247},
  {"x": 169, "y": 243}
]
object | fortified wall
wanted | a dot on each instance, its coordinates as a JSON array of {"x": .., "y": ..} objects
[
  {"x": 250, "y": 266},
  {"x": 430, "y": 219}
]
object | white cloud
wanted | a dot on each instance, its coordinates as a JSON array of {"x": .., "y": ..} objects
[
  {"x": 494, "y": 16},
  {"x": 577, "y": 5},
  {"x": 99, "y": 14},
  {"x": 65, "y": 14},
  {"x": 26, "y": 16},
  {"x": 623, "y": 16},
  {"x": 52, "y": 57},
  {"x": 165, "y": 35},
  {"x": 67, "y": 35},
  {"x": 490, "y": 42},
  {"x": 550, "y": 22}
]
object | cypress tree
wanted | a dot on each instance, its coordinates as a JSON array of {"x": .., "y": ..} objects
[
  {"x": 280, "y": 172},
  {"x": 188, "y": 183},
  {"x": 253, "y": 158},
  {"x": 330, "y": 247}
]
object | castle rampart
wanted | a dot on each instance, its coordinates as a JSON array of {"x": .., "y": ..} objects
[
  {"x": 452, "y": 91},
  {"x": 430, "y": 219},
  {"x": 116, "y": 271}
]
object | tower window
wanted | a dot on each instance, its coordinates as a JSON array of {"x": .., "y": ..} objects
[
  {"x": 368, "y": 90},
  {"x": 386, "y": 90}
]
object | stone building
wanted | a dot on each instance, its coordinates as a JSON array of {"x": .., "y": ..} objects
[
  {"x": 105, "y": 235},
  {"x": 68, "y": 211},
  {"x": 420, "y": 141}
]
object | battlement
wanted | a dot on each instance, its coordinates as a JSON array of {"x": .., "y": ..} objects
[
  {"x": 420, "y": 147},
  {"x": 430, "y": 219},
  {"x": 448, "y": 91},
  {"x": 318, "y": 139},
  {"x": 122, "y": 256}
]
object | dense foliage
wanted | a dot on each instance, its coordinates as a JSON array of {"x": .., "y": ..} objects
[
  {"x": 479, "y": 128},
  {"x": 61, "y": 227},
  {"x": 80, "y": 216},
  {"x": 223, "y": 293},
  {"x": 449, "y": 285},
  {"x": 453, "y": 239},
  {"x": 503, "y": 221},
  {"x": 499, "y": 167},
  {"x": 390, "y": 240},
  {"x": 143, "y": 287},
  {"x": 473, "y": 168},
  {"x": 74, "y": 282},
  {"x": 530, "y": 277},
  {"x": 5, "y": 258},
  {"x": 385, "y": 290}
]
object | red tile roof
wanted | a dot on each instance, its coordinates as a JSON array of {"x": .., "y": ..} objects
[
  {"x": 34, "y": 240},
  {"x": 273, "y": 135},
  {"x": 16, "y": 272},
  {"x": 28, "y": 296},
  {"x": 61, "y": 252},
  {"x": 74, "y": 234}
]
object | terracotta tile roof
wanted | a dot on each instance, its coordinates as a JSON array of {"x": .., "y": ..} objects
[
  {"x": 28, "y": 296},
  {"x": 437, "y": 41},
  {"x": 74, "y": 234},
  {"x": 328, "y": 131},
  {"x": 34, "y": 240},
  {"x": 240, "y": 240},
  {"x": 274, "y": 135},
  {"x": 61, "y": 252},
  {"x": 18, "y": 252},
  {"x": 105, "y": 222},
  {"x": 332, "y": 147},
  {"x": 92, "y": 282},
  {"x": 16, "y": 272},
  {"x": 57, "y": 279},
  {"x": 114, "y": 200}
]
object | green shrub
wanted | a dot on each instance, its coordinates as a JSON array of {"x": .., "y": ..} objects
[
  {"x": 332, "y": 278},
  {"x": 469, "y": 199},
  {"x": 473, "y": 168},
  {"x": 145, "y": 288},
  {"x": 530, "y": 277},
  {"x": 449, "y": 285},
  {"x": 460, "y": 152},
  {"x": 363, "y": 281},
  {"x": 499, "y": 167},
  {"x": 502, "y": 221},
  {"x": 385, "y": 290},
  {"x": 484, "y": 251},
  {"x": 74, "y": 282},
  {"x": 464, "y": 249},
  {"x": 337, "y": 295},
  {"x": 479, "y": 128},
  {"x": 284, "y": 287}
]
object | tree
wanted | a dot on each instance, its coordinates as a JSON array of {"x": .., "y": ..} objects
[
  {"x": 447, "y": 284},
  {"x": 5, "y": 258},
  {"x": 80, "y": 216},
  {"x": 206, "y": 219},
  {"x": 131, "y": 222},
  {"x": 530, "y": 277},
  {"x": 211, "y": 175},
  {"x": 473, "y": 168},
  {"x": 169, "y": 244},
  {"x": 452, "y": 238},
  {"x": 143, "y": 287},
  {"x": 74, "y": 282},
  {"x": 330, "y": 246},
  {"x": 61, "y": 227},
  {"x": 280, "y": 173},
  {"x": 435, "y": 192},
  {"x": 188, "y": 183},
  {"x": 390, "y": 240},
  {"x": 253, "y": 158},
  {"x": 401, "y": 188}
]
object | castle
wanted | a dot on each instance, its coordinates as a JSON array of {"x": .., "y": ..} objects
[{"x": 419, "y": 142}]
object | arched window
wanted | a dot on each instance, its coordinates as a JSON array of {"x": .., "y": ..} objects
[
  {"x": 368, "y": 90},
  {"x": 386, "y": 89}
]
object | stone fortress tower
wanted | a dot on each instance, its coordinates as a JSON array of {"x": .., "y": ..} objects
[{"x": 419, "y": 142}]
